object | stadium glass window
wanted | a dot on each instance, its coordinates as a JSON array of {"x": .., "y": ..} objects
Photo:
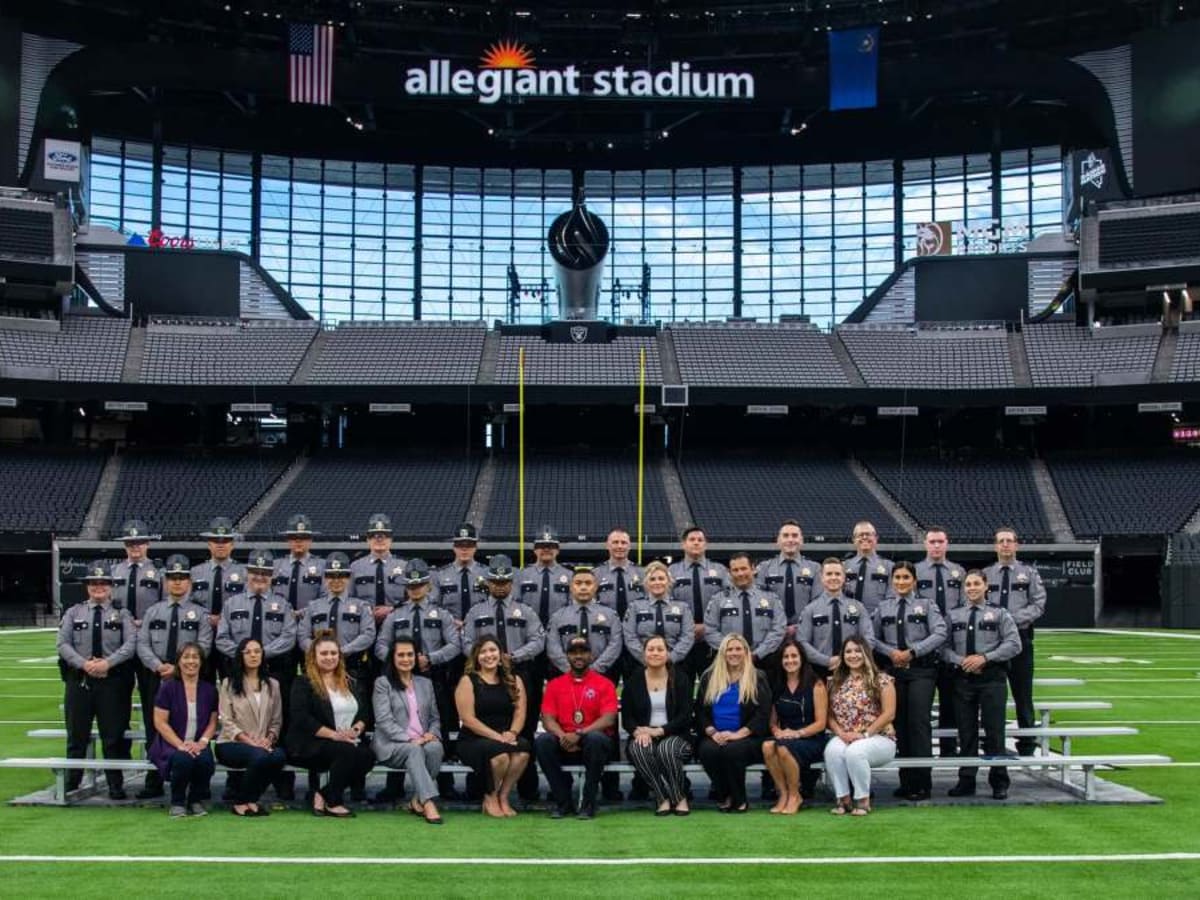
[
  {"x": 121, "y": 185},
  {"x": 206, "y": 196}
]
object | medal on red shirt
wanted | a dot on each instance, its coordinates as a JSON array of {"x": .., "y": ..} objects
[{"x": 577, "y": 718}]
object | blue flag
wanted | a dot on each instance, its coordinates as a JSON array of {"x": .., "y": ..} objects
[{"x": 853, "y": 68}]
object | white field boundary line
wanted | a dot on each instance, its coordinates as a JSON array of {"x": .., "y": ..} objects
[
  {"x": 409, "y": 862},
  {"x": 4, "y": 632},
  {"x": 1187, "y": 636}
]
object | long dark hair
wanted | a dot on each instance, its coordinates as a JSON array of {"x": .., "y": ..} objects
[
  {"x": 389, "y": 663},
  {"x": 670, "y": 665},
  {"x": 870, "y": 670},
  {"x": 507, "y": 678},
  {"x": 237, "y": 671},
  {"x": 807, "y": 676}
]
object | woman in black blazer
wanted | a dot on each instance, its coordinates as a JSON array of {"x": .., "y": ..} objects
[
  {"x": 656, "y": 712},
  {"x": 733, "y": 713},
  {"x": 329, "y": 719}
]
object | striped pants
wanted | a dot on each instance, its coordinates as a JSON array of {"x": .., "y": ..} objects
[{"x": 661, "y": 765}]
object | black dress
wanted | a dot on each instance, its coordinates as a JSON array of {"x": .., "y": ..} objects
[{"x": 495, "y": 709}]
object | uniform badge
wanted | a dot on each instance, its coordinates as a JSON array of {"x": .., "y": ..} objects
[
  {"x": 851, "y": 608},
  {"x": 379, "y": 526},
  {"x": 989, "y": 616},
  {"x": 274, "y": 607},
  {"x": 764, "y": 602},
  {"x": 516, "y": 613},
  {"x": 191, "y": 614},
  {"x": 880, "y": 570},
  {"x": 133, "y": 532},
  {"x": 312, "y": 570},
  {"x": 235, "y": 577},
  {"x": 806, "y": 572},
  {"x": 433, "y": 614},
  {"x": 352, "y": 608},
  {"x": 712, "y": 573},
  {"x": 115, "y": 617},
  {"x": 600, "y": 618},
  {"x": 149, "y": 573},
  {"x": 1021, "y": 576},
  {"x": 562, "y": 579},
  {"x": 636, "y": 581},
  {"x": 954, "y": 573},
  {"x": 675, "y": 610},
  {"x": 918, "y": 610}
]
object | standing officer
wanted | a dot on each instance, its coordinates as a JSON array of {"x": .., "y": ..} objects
[
  {"x": 378, "y": 576},
  {"x": 545, "y": 585},
  {"x": 137, "y": 583},
  {"x": 830, "y": 618},
  {"x": 297, "y": 576},
  {"x": 790, "y": 576},
  {"x": 167, "y": 626},
  {"x": 618, "y": 581},
  {"x": 349, "y": 618},
  {"x": 867, "y": 573},
  {"x": 435, "y": 641},
  {"x": 1017, "y": 587},
  {"x": 746, "y": 610},
  {"x": 96, "y": 642},
  {"x": 460, "y": 585},
  {"x": 982, "y": 639},
  {"x": 940, "y": 580},
  {"x": 219, "y": 578},
  {"x": 909, "y": 634},
  {"x": 657, "y": 613},
  {"x": 521, "y": 637},
  {"x": 588, "y": 619},
  {"x": 695, "y": 579}
]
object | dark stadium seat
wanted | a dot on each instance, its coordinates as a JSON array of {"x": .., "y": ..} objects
[
  {"x": 1186, "y": 365},
  {"x": 902, "y": 356},
  {"x": 545, "y": 363},
  {"x": 1063, "y": 354},
  {"x": 26, "y": 232},
  {"x": 81, "y": 348},
  {"x": 750, "y": 353},
  {"x": 234, "y": 353},
  {"x": 1127, "y": 493},
  {"x": 400, "y": 353},
  {"x": 43, "y": 489}
]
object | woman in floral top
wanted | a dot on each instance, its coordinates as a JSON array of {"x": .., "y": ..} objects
[{"x": 862, "y": 705}]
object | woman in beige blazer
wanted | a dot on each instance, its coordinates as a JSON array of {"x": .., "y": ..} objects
[{"x": 251, "y": 720}]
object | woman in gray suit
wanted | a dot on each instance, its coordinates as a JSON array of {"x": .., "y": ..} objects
[{"x": 408, "y": 730}]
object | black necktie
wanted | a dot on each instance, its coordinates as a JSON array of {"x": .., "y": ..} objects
[
  {"x": 746, "y": 629},
  {"x": 544, "y": 600},
  {"x": 622, "y": 599},
  {"x": 660, "y": 627},
  {"x": 97, "y": 638},
  {"x": 295, "y": 585},
  {"x": 862, "y": 580},
  {"x": 334, "y": 609},
  {"x": 697, "y": 596},
  {"x": 465, "y": 599},
  {"x": 835, "y": 634},
  {"x": 256, "y": 619},
  {"x": 131, "y": 591},
  {"x": 583, "y": 621},
  {"x": 1004, "y": 588},
  {"x": 218, "y": 600},
  {"x": 380, "y": 594},
  {"x": 418, "y": 645},
  {"x": 173, "y": 635},
  {"x": 901, "y": 637},
  {"x": 939, "y": 589},
  {"x": 971, "y": 631},
  {"x": 501, "y": 627},
  {"x": 789, "y": 590}
]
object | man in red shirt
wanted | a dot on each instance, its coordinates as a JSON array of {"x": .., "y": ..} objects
[{"x": 579, "y": 713}]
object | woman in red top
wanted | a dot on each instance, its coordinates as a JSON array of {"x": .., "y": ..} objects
[{"x": 862, "y": 705}]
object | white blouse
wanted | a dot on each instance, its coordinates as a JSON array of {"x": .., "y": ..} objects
[{"x": 345, "y": 709}]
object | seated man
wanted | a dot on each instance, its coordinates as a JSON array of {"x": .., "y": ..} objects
[{"x": 579, "y": 713}]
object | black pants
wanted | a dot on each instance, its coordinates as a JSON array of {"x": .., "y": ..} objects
[
  {"x": 914, "y": 730},
  {"x": 107, "y": 701},
  {"x": 726, "y": 766},
  {"x": 946, "y": 679},
  {"x": 533, "y": 677},
  {"x": 148, "y": 682},
  {"x": 595, "y": 752},
  {"x": 347, "y": 764},
  {"x": 1020, "y": 682},
  {"x": 697, "y": 660},
  {"x": 262, "y": 766},
  {"x": 981, "y": 696}
]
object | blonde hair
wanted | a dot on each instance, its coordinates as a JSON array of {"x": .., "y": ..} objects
[
  {"x": 657, "y": 566},
  {"x": 313, "y": 674},
  {"x": 719, "y": 679}
]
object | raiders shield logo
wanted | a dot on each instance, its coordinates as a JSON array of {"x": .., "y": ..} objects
[{"x": 579, "y": 333}]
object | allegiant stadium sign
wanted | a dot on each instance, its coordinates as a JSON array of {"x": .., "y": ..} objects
[{"x": 507, "y": 71}]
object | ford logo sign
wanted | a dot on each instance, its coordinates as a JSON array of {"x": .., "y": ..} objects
[{"x": 63, "y": 157}]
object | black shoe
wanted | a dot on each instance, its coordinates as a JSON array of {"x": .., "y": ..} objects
[
  {"x": 150, "y": 790},
  {"x": 118, "y": 793},
  {"x": 611, "y": 797},
  {"x": 639, "y": 793},
  {"x": 73, "y": 784},
  {"x": 560, "y": 812},
  {"x": 962, "y": 790},
  {"x": 358, "y": 795},
  {"x": 918, "y": 796},
  {"x": 286, "y": 793},
  {"x": 999, "y": 793},
  {"x": 587, "y": 811},
  {"x": 902, "y": 792},
  {"x": 387, "y": 795}
]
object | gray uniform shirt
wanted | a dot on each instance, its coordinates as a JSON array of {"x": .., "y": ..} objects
[
  {"x": 924, "y": 627},
  {"x": 118, "y": 637},
  {"x": 448, "y": 586},
  {"x": 725, "y": 615},
  {"x": 528, "y": 588},
  {"x": 952, "y": 579},
  {"x": 606, "y": 583},
  {"x": 155, "y": 633},
  {"x": 771, "y": 575},
  {"x": 439, "y": 636},
  {"x": 1026, "y": 593},
  {"x": 996, "y": 635},
  {"x": 233, "y": 582},
  {"x": 364, "y": 572},
  {"x": 878, "y": 579},
  {"x": 355, "y": 624},
  {"x": 308, "y": 584},
  {"x": 278, "y": 625},
  {"x": 522, "y": 628},
  {"x": 641, "y": 624},
  {"x": 148, "y": 590},
  {"x": 714, "y": 578},
  {"x": 603, "y": 634},
  {"x": 815, "y": 629}
]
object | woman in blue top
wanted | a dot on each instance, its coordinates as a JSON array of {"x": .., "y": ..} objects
[
  {"x": 733, "y": 707},
  {"x": 797, "y": 728}
]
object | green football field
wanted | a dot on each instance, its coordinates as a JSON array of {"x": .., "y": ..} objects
[{"x": 1152, "y": 681}]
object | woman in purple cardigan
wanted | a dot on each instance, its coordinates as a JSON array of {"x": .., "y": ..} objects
[{"x": 185, "y": 717}]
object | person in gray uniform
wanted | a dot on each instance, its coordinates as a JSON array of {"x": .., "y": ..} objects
[
  {"x": 656, "y": 612},
  {"x": 830, "y": 618},
  {"x": 746, "y": 610},
  {"x": 521, "y": 637},
  {"x": 586, "y": 618},
  {"x": 981, "y": 642},
  {"x": 909, "y": 634},
  {"x": 694, "y": 580},
  {"x": 378, "y": 577},
  {"x": 546, "y": 584},
  {"x": 792, "y": 577},
  {"x": 940, "y": 580},
  {"x": 460, "y": 585},
  {"x": 349, "y": 617},
  {"x": 618, "y": 581},
  {"x": 219, "y": 577},
  {"x": 297, "y": 576},
  {"x": 1017, "y": 587},
  {"x": 96, "y": 643},
  {"x": 867, "y": 573},
  {"x": 137, "y": 581},
  {"x": 167, "y": 626}
]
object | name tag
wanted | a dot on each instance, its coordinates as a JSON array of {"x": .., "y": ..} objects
[
  {"x": 850, "y": 620},
  {"x": 820, "y": 620},
  {"x": 645, "y": 617},
  {"x": 768, "y": 613},
  {"x": 564, "y": 630},
  {"x": 671, "y": 618},
  {"x": 273, "y": 616},
  {"x": 484, "y": 622},
  {"x": 158, "y": 625},
  {"x": 189, "y": 625},
  {"x": 730, "y": 611}
]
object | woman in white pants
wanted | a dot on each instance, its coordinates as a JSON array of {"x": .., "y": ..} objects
[{"x": 862, "y": 705}]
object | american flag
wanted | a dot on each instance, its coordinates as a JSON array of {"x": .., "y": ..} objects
[{"x": 310, "y": 64}]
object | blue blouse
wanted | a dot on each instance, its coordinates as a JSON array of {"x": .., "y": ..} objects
[{"x": 726, "y": 714}]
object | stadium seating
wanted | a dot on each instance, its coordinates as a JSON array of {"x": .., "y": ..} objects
[
  {"x": 738, "y": 497},
  {"x": 425, "y": 495},
  {"x": 43, "y": 489},
  {"x": 177, "y": 494},
  {"x": 229, "y": 353},
  {"x": 580, "y": 496},
  {"x": 747, "y": 353},
  {"x": 81, "y": 348},
  {"x": 900, "y": 356},
  {"x": 396, "y": 353},
  {"x": 1062, "y": 354},
  {"x": 1186, "y": 366},
  {"x": 582, "y": 364},
  {"x": 969, "y": 498},
  {"x": 26, "y": 232},
  {"x": 1127, "y": 494}
]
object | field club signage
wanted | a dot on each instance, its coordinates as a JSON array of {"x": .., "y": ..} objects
[{"x": 508, "y": 70}]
